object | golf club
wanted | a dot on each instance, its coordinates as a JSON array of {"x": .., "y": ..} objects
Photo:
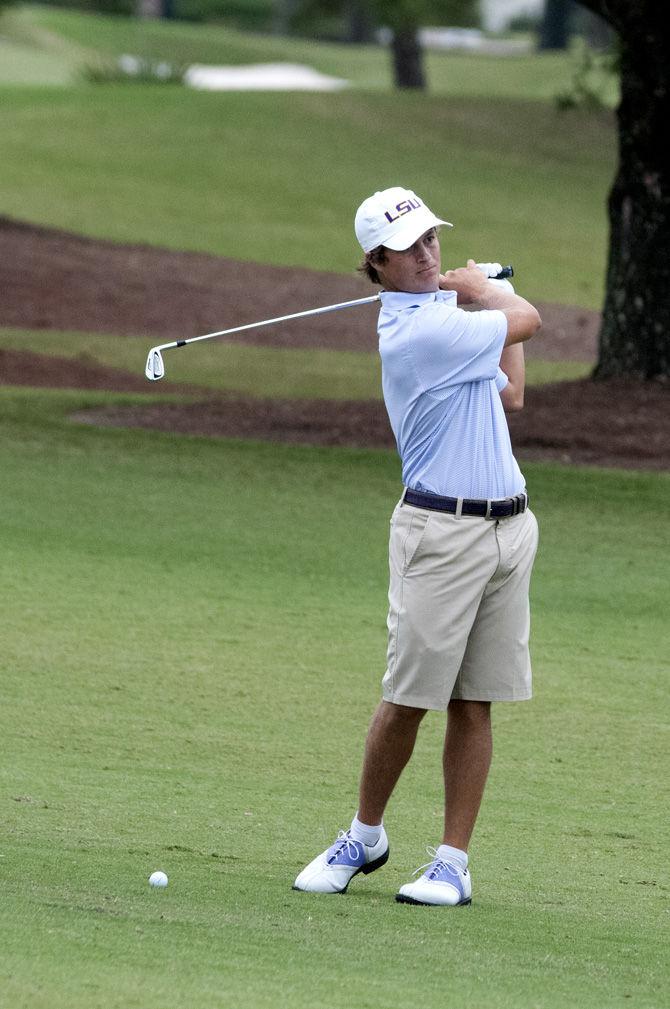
[{"x": 155, "y": 366}]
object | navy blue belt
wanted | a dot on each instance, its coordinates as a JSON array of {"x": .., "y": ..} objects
[{"x": 500, "y": 508}]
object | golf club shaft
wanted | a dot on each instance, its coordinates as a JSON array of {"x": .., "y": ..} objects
[
  {"x": 506, "y": 271},
  {"x": 155, "y": 369},
  {"x": 270, "y": 322}
]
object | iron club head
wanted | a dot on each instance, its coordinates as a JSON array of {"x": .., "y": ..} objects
[{"x": 155, "y": 368}]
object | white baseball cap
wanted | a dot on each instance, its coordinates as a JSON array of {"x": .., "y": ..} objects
[{"x": 395, "y": 218}]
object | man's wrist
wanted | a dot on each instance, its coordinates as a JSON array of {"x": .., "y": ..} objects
[{"x": 493, "y": 295}]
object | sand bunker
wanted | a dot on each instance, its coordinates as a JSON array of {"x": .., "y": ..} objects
[{"x": 261, "y": 77}]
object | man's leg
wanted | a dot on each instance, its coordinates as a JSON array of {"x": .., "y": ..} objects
[
  {"x": 466, "y": 761},
  {"x": 388, "y": 747},
  {"x": 468, "y": 747},
  {"x": 496, "y": 663}
]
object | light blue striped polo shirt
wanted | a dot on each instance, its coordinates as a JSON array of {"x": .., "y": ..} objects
[{"x": 442, "y": 381}]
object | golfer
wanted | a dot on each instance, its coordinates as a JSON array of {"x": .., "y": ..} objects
[{"x": 462, "y": 540}]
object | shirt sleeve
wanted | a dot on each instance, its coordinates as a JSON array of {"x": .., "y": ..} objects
[{"x": 450, "y": 346}]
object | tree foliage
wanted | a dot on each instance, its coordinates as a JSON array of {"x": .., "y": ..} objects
[
  {"x": 404, "y": 18},
  {"x": 390, "y": 13},
  {"x": 398, "y": 14}
]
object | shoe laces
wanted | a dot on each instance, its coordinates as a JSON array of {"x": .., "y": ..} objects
[
  {"x": 437, "y": 864},
  {"x": 344, "y": 840}
]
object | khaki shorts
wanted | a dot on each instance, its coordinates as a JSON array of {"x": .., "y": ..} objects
[{"x": 459, "y": 618}]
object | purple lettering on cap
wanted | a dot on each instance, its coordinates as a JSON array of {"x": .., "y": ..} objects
[{"x": 405, "y": 207}]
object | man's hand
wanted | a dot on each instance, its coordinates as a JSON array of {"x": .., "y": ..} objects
[
  {"x": 471, "y": 286},
  {"x": 469, "y": 282},
  {"x": 491, "y": 270}
]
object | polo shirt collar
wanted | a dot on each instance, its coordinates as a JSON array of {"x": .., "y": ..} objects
[{"x": 397, "y": 300}]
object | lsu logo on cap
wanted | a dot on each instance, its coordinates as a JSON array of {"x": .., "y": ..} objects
[{"x": 404, "y": 207}]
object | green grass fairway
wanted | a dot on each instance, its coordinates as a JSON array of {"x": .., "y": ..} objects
[
  {"x": 193, "y": 638},
  {"x": 22, "y": 64},
  {"x": 254, "y": 371},
  {"x": 213, "y": 172},
  {"x": 87, "y": 40},
  {"x": 194, "y": 630}
]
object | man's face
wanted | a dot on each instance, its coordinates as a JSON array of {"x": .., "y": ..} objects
[{"x": 415, "y": 270}]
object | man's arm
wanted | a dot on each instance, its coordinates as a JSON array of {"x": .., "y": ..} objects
[
  {"x": 471, "y": 286},
  {"x": 512, "y": 362}
]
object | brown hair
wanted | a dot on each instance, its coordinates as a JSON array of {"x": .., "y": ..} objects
[{"x": 378, "y": 256}]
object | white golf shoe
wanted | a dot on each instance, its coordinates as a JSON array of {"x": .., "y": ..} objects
[
  {"x": 332, "y": 870},
  {"x": 444, "y": 882}
]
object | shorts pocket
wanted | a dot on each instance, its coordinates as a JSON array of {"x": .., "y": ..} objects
[{"x": 409, "y": 533}]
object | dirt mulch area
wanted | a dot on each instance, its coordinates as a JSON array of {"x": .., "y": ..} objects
[
  {"x": 47, "y": 371},
  {"x": 613, "y": 423},
  {"x": 619, "y": 423},
  {"x": 23, "y": 367},
  {"x": 54, "y": 280}
]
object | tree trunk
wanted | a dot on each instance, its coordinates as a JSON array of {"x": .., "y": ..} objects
[
  {"x": 284, "y": 11},
  {"x": 408, "y": 69},
  {"x": 360, "y": 28},
  {"x": 149, "y": 9},
  {"x": 597, "y": 32},
  {"x": 555, "y": 25},
  {"x": 635, "y": 332}
]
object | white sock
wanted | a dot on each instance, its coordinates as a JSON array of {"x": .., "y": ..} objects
[
  {"x": 364, "y": 832},
  {"x": 450, "y": 854}
]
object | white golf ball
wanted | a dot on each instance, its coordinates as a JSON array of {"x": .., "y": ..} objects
[{"x": 158, "y": 879}]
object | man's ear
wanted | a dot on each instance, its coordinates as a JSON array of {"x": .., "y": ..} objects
[{"x": 375, "y": 257}]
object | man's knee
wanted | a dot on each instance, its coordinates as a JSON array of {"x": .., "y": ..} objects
[
  {"x": 470, "y": 713},
  {"x": 399, "y": 716}
]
